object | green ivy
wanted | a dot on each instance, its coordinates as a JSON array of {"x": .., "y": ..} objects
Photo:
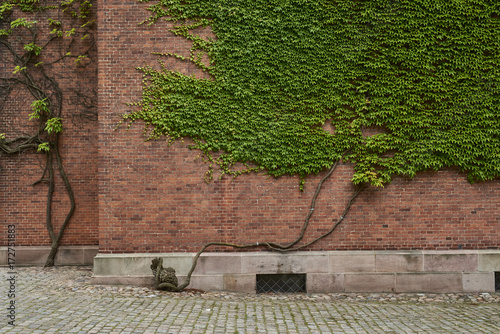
[
  {"x": 45, "y": 41},
  {"x": 32, "y": 47},
  {"x": 424, "y": 74},
  {"x": 53, "y": 125}
]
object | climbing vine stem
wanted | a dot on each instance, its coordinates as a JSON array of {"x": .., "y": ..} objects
[
  {"x": 267, "y": 244},
  {"x": 36, "y": 38}
]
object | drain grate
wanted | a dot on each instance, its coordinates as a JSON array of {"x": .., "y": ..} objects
[
  {"x": 497, "y": 280},
  {"x": 281, "y": 283}
]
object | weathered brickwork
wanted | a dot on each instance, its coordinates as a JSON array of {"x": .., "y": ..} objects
[
  {"x": 136, "y": 196},
  {"x": 152, "y": 197},
  {"x": 23, "y": 203}
]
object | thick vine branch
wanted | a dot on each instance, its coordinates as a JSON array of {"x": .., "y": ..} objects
[
  {"x": 27, "y": 142},
  {"x": 56, "y": 239},
  {"x": 337, "y": 223},
  {"x": 310, "y": 213},
  {"x": 42, "y": 81},
  {"x": 269, "y": 245},
  {"x": 50, "y": 195}
]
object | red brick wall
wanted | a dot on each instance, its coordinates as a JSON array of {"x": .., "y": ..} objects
[
  {"x": 152, "y": 197},
  {"x": 23, "y": 204}
]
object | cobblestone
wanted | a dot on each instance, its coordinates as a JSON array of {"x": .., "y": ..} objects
[{"x": 62, "y": 300}]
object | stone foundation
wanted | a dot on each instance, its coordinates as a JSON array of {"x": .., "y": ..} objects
[
  {"x": 36, "y": 255},
  {"x": 335, "y": 271}
]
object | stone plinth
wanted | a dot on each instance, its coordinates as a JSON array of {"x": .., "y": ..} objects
[{"x": 335, "y": 271}]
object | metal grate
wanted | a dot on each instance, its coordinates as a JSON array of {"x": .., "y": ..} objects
[
  {"x": 497, "y": 281},
  {"x": 281, "y": 283}
]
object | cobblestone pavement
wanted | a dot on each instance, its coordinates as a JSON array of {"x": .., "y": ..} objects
[{"x": 62, "y": 300}]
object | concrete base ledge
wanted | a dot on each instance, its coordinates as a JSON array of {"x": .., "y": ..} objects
[
  {"x": 36, "y": 255},
  {"x": 335, "y": 271}
]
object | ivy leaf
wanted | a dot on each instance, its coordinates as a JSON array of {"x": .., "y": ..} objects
[
  {"x": 53, "y": 125},
  {"x": 43, "y": 147}
]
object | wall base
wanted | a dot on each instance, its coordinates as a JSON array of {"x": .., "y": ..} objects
[
  {"x": 335, "y": 271},
  {"x": 36, "y": 255}
]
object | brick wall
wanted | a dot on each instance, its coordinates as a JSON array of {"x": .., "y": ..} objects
[
  {"x": 152, "y": 197},
  {"x": 23, "y": 204}
]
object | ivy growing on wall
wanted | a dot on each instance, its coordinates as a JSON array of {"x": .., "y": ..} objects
[
  {"x": 406, "y": 85},
  {"x": 37, "y": 39}
]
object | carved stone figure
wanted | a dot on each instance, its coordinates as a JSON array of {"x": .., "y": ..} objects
[{"x": 165, "y": 278}]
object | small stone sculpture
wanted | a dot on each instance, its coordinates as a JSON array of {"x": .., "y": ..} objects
[{"x": 165, "y": 278}]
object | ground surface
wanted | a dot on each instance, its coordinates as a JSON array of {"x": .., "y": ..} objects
[{"x": 62, "y": 300}]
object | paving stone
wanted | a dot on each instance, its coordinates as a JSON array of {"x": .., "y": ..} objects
[{"x": 63, "y": 300}]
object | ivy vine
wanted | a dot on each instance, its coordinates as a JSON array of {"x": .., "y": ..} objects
[
  {"x": 424, "y": 74},
  {"x": 35, "y": 37}
]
